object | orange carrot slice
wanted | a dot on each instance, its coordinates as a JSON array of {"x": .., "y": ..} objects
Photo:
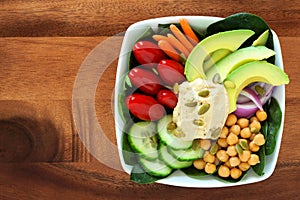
[
  {"x": 169, "y": 50},
  {"x": 179, "y": 35},
  {"x": 188, "y": 31},
  {"x": 175, "y": 43},
  {"x": 160, "y": 37}
]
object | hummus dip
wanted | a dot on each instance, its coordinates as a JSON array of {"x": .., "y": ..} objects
[{"x": 201, "y": 110}]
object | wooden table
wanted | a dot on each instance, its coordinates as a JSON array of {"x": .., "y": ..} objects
[{"x": 42, "y": 46}]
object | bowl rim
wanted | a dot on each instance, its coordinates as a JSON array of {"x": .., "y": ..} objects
[{"x": 178, "y": 178}]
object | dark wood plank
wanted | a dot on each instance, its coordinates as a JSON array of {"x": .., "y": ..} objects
[
  {"x": 95, "y": 181},
  {"x": 105, "y": 17}
]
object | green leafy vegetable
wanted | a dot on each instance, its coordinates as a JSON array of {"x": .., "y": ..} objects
[
  {"x": 194, "y": 173},
  {"x": 128, "y": 154},
  {"x": 139, "y": 175},
  {"x": 274, "y": 122},
  {"x": 259, "y": 168}
]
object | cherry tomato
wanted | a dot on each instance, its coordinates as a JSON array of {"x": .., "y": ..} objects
[
  {"x": 145, "y": 107},
  {"x": 171, "y": 72},
  {"x": 146, "y": 80},
  {"x": 167, "y": 98},
  {"x": 148, "y": 53}
]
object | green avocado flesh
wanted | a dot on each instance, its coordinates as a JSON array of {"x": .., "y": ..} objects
[
  {"x": 214, "y": 57},
  {"x": 262, "y": 39},
  {"x": 230, "y": 40},
  {"x": 256, "y": 71},
  {"x": 238, "y": 58}
]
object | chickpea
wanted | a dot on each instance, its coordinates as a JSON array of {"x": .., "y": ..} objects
[
  {"x": 253, "y": 147},
  {"x": 224, "y": 171},
  {"x": 243, "y": 122},
  {"x": 253, "y": 119},
  {"x": 259, "y": 139},
  {"x": 234, "y": 161},
  {"x": 209, "y": 158},
  {"x": 222, "y": 142},
  {"x": 231, "y": 150},
  {"x": 224, "y": 132},
  {"x": 255, "y": 126},
  {"x": 235, "y": 173},
  {"x": 210, "y": 168},
  {"x": 244, "y": 166},
  {"x": 245, "y": 133},
  {"x": 232, "y": 139},
  {"x": 261, "y": 115},
  {"x": 199, "y": 164},
  {"x": 235, "y": 129},
  {"x": 244, "y": 157},
  {"x": 231, "y": 120},
  {"x": 205, "y": 144},
  {"x": 222, "y": 155},
  {"x": 253, "y": 160}
]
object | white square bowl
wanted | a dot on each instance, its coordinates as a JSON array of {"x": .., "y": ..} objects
[{"x": 178, "y": 178}]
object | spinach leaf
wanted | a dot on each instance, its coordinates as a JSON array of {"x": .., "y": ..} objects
[
  {"x": 139, "y": 175},
  {"x": 274, "y": 122},
  {"x": 259, "y": 168},
  {"x": 128, "y": 154},
  {"x": 194, "y": 173},
  {"x": 243, "y": 21}
]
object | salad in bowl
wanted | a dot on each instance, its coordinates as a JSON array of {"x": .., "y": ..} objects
[{"x": 200, "y": 100}]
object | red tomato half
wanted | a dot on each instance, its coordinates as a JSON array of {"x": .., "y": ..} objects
[
  {"x": 148, "y": 53},
  {"x": 167, "y": 98},
  {"x": 171, "y": 72},
  {"x": 145, "y": 107},
  {"x": 146, "y": 80}
]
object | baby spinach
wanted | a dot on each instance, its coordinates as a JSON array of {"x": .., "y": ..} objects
[
  {"x": 139, "y": 175},
  {"x": 194, "y": 173},
  {"x": 274, "y": 123},
  {"x": 243, "y": 21}
]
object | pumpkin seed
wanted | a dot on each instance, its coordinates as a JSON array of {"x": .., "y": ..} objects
[
  {"x": 216, "y": 78},
  {"x": 254, "y": 130},
  {"x": 259, "y": 90},
  {"x": 191, "y": 104},
  {"x": 203, "y": 109},
  {"x": 178, "y": 133},
  {"x": 229, "y": 84},
  {"x": 214, "y": 149},
  {"x": 176, "y": 88},
  {"x": 198, "y": 122},
  {"x": 203, "y": 93},
  {"x": 244, "y": 144},
  {"x": 171, "y": 126},
  {"x": 238, "y": 149},
  {"x": 216, "y": 133}
]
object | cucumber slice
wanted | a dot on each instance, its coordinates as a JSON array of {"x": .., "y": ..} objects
[
  {"x": 143, "y": 139},
  {"x": 168, "y": 137},
  {"x": 187, "y": 154},
  {"x": 170, "y": 160},
  {"x": 155, "y": 167}
]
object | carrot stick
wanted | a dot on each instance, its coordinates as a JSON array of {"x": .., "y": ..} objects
[
  {"x": 179, "y": 35},
  {"x": 169, "y": 50},
  {"x": 175, "y": 43},
  {"x": 160, "y": 37},
  {"x": 188, "y": 31}
]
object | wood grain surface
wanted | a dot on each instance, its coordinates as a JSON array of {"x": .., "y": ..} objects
[{"x": 42, "y": 46}]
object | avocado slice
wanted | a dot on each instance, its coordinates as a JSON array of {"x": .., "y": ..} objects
[
  {"x": 230, "y": 40},
  {"x": 238, "y": 58},
  {"x": 214, "y": 57},
  {"x": 255, "y": 71},
  {"x": 262, "y": 39}
]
